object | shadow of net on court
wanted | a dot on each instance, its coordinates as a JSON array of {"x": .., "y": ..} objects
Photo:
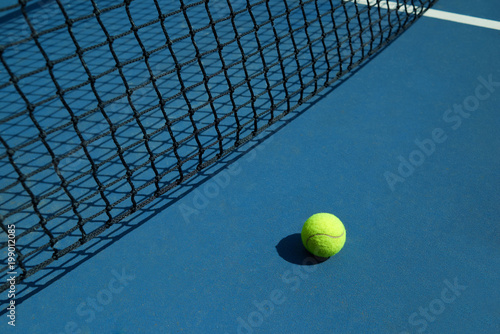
[{"x": 105, "y": 107}]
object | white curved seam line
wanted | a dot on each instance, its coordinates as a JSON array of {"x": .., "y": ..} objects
[{"x": 326, "y": 235}]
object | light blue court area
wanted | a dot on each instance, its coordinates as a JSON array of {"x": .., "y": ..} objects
[{"x": 404, "y": 150}]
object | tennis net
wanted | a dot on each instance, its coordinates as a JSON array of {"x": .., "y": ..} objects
[{"x": 106, "y": 105}]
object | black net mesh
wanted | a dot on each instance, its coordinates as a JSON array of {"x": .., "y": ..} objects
[{"x": 106, "y": 105}]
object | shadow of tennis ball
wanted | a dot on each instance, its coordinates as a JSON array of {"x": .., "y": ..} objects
[{"x": 292, "y": 250}]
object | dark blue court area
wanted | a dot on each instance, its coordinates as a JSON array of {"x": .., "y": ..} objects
[{"x": 161, "y": 185}]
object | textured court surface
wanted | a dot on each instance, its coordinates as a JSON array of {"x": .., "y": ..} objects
[{"x": 221, "y": 254}]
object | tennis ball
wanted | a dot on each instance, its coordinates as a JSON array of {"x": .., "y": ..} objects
[{"x": 323, "y": 235}]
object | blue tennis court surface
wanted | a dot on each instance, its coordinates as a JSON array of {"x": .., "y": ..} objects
[{"x": 404, "y": 150}]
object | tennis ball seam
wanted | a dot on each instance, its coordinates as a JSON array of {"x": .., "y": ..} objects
[{"x": 326, "y": 235}]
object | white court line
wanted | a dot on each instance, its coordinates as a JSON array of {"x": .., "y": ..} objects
[
  {"x": 434, "y": 13},
  {"x": 465, "y": 19}
]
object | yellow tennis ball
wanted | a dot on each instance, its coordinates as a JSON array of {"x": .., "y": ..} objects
[{"x": 323, "y": 235}]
